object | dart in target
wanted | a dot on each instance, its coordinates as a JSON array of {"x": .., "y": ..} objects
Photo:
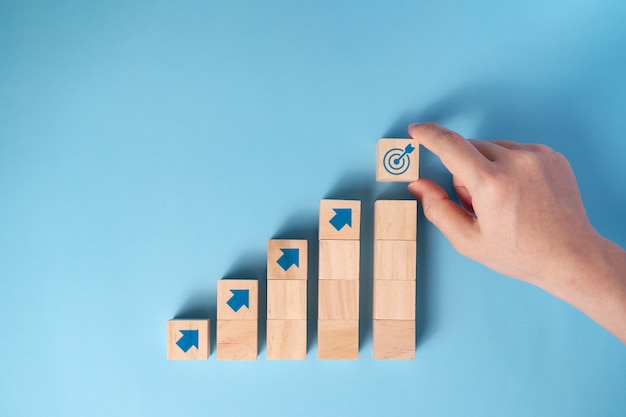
[{"x": 397, "y": 160}]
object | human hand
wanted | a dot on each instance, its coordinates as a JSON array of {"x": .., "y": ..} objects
[
  {"x": 523, "y": 217},
  {"x": 523, "y": 213}
]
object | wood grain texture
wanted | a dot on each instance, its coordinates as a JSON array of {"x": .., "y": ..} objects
[
  {"x": 339, "y": 259},
  {"x": 338, "y": 300},
  {"x": 202, "y": 351},
  {"x": 389, "y": 150},
  {"x": 347, "y": 232},
  {"x": 286, "y": 299},
  {"x": 237, "y": 339},
  {"x": 394, "y": 300},
  {"x": 274, "y": 253},
  {"x": 393, "y": 339},
  {"x": 395, "y": 259},
  {"x": 286, "y": 339},
  {"x": 224, "y": 294},
  {"x": 338, "y": 339},
  {"x": 395, "y": 220}
]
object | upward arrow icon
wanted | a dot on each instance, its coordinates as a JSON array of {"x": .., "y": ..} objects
[
  {"x": 291, "y": 256},
  {"x": 342, "y": 217},
  {"x": 239, "y": 299}
]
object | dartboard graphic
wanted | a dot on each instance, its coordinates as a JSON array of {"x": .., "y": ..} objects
[{"x": 396, "y": 161}]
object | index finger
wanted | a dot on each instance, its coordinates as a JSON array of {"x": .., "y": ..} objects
[{"x": 458, "y": 155}]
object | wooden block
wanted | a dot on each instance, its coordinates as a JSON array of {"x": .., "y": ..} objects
[
  {"x": 338, "y": 339},
  {"x": 394, "y": 300},
  {"x": 287, "y": 259},
  {"x": 340, "y": 219},
  {"x": 393, "y": 339},
  {"x": 338, "y": 300},
  {"x": 395, "y": 220},
  {"x": 339, "y": 259},
  {"x": 286, "y": 299},
  {"x": 237, "y": 299},
  {"x": 395, "y": 259},
  {"x": 286, "y": 339},
  {"x": 237, "y": 339},
  {"x": 397, "y": 160},
  {"x": 188, "y": 339}
]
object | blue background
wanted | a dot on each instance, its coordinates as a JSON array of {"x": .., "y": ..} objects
[{"x": 148, "y": 149}]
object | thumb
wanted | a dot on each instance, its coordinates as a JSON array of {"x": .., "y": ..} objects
[{"x": 456, "y": 225}]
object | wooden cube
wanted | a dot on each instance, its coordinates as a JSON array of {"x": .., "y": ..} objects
[
  {"x": 287, "y": 259},
  {"x": 394, "y": 300},
  {"x": 339, "y": 259},
  {"x": 397, "y": 160},
  {"x": 286, "y": 339},
  {"x": 237, "y": 339},
  {"x": 395, "y": 259},
  {"x": 237, "y": 299},
  {"x": 338, "y": 339},
  {"x": 393, "y": 339},
  {"x": 286, "y": 299},
  {"x": 188, "y": 339},
  {"x": 340, "y": 219},
  {"x": 338, "y": 300},
  {"x": 395, "y": 220}
]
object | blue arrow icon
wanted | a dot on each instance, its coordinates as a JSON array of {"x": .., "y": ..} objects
[
  {"x": 291, "y": 256},
  {"x": 239, "y": 299},
  {"x": 188, "y": 339},
  {"x": 342, "y": 217}
]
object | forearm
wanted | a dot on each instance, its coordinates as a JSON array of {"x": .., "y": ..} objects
[{"x": 596, "y": 285}]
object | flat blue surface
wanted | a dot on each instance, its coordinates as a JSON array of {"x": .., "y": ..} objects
[{"x": 148, "y": 149}]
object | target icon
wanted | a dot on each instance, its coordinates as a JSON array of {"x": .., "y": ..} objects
[{"x": 396, "y": 161}]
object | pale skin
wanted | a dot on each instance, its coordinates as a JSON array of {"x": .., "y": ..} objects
[{"x": 523, "y": 216}]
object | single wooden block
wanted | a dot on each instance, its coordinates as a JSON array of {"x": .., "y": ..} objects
[
  {"x": 395, "y": 220},
  {"x": 339, "y": 259},
  {"x": 287, "y": 259},
  {"x": 395, "y": 259},
  {"x": 286, "y": 299},
  {"x": 394, "y": 300},
  {"x": 397, "y": 160},
  {"x": 338, "y": 339},
  {"x": 338, "y": 300},
  {"x": 188, "y": 339},
  {"x": 237, "y": 299},
  {"x": 237, "y": 339},
  {"x": 286, "y": 339},
  {"x": 340, "y": 219},
  {"x": 393, "y": 339}
]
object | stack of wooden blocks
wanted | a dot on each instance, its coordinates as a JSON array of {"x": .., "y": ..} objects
[
  {"x": 395, "y": 253},
  {"x": 237, "y": 319},
  {"x": 338, "y": 291},
  {"x": 393, "y": 309},
  {"x": 286, "y": 299},
  {"x": 394, "y": 284}
]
